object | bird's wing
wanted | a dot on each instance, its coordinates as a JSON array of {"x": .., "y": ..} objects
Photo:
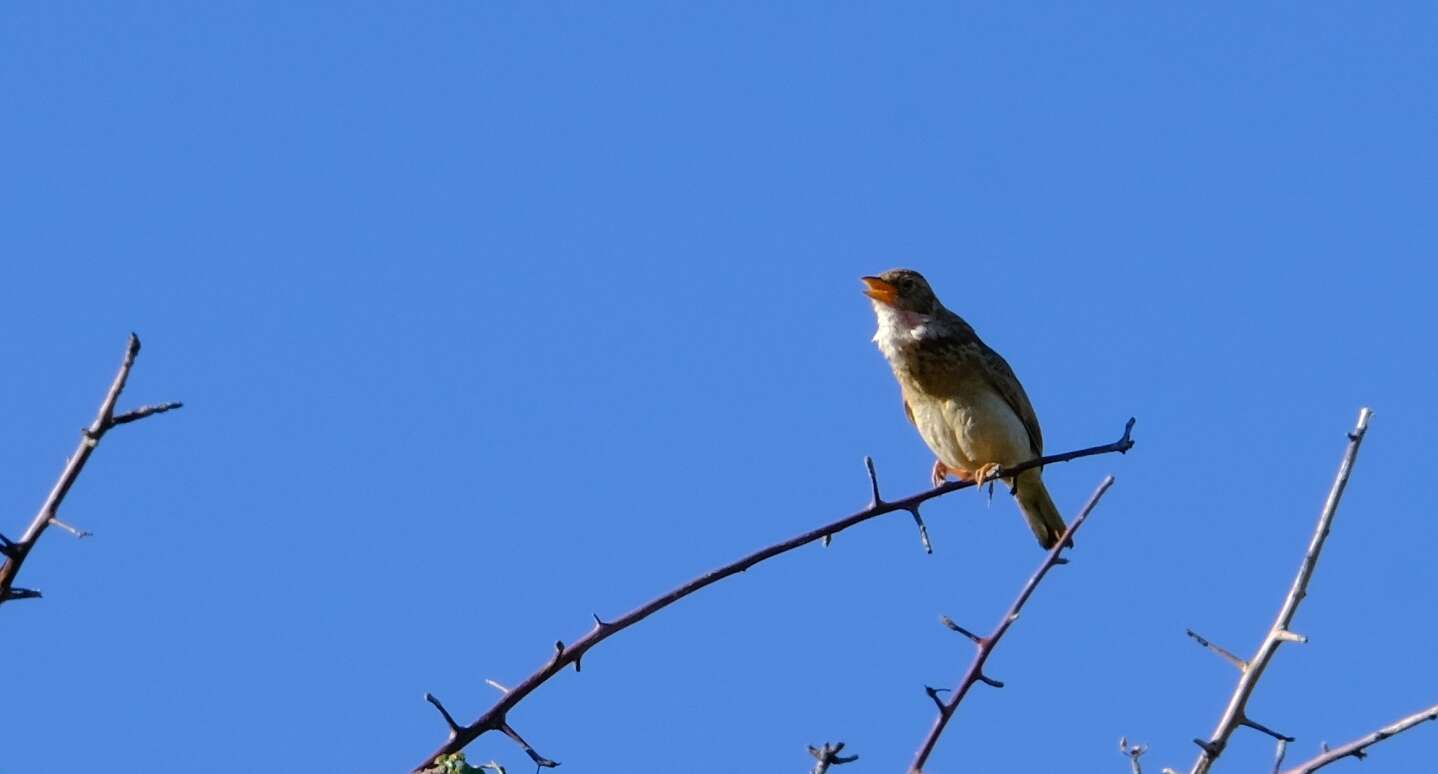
[
  {"x": 1001, "y": 377},
  {"x": 909, "y": 412}
]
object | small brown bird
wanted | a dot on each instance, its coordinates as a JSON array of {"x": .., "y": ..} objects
[{"x": 964, "y": 399}]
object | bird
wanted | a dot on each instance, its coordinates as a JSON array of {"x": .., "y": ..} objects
[{"x": 962, "y": 396}]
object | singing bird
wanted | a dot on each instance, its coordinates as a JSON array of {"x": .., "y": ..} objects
[{"x": 962, "y": 396}]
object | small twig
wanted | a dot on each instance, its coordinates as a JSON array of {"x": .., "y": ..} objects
[
  {"x": 1281, "y": 632},
  {"x": 80, "y": 534},
  {"x": 923, "y": 531},
  {"x": 16, "y": 551},
  {"x": 828, "y": 755},
  {"x": 145, "y": 411},
  {"x": 1278, "y": 755},
  {"x": 1262, "y": 729},
  {"x": 949, "y": 622},
  {"x": 985, "y": 645},
  {"x": 539, "y": 760},
  {"x": 493, "y": 717},
  {"x": 1357, "y": 747},
  {"x": 1134, "y": 752},
  {"x": 1223, "y": 652},
  {"x": 448, "y": 718}
]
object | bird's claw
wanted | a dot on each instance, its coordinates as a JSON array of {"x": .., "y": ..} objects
[{"x": 984, "y": 475}]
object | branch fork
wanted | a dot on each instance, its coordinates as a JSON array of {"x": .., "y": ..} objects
[
  {"x": 16, "y": 551},
  {"x": 493, "y": 718},
  {"x": 984, "y": 646}
]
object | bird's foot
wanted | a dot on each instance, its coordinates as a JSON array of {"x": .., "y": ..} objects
[
  {"x": 984, "y": 475},
  {"x": 942, "y": 472}
]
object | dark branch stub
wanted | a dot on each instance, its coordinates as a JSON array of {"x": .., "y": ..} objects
[{"x": 1265, "y": 729}]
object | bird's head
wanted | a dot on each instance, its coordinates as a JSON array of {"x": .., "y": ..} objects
[{"x": 904, "y": 290}]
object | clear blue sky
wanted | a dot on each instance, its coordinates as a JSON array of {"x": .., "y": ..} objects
[{"x": 491, "y": 316}]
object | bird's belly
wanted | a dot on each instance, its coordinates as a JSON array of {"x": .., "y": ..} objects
[{"x": 972, "y": 431}]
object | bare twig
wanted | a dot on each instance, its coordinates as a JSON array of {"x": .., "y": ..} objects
[
  {"x": 16, "y": 551},
  {"x": 1222, "y": 652},
  {"x": 1281, "y": 631},
  {"x": 985, "y": 645},
  {"x": 828, "y": 755},
  {"x": 1133, "y": 752},
  {"x": 493, "y": 719},
  {"x": 1356, "y": 747}
]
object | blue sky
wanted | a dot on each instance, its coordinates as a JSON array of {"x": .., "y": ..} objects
[{"x": 488, "y": 317}]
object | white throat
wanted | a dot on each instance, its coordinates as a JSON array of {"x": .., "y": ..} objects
[{"x": 899, "y": 329}]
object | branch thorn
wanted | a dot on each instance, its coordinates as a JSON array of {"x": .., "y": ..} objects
[
  {"x": 448, "y": 718},
  {"x": 875, "y": 500},
  {"x": 539, "y": 760},
  {"x": 1290, "y": 636},
  {"x": 1264, "y": 729},
  {"x": 923, "y": 530},
  {"x": 949, "y": 622},
  {"x": 986, "y": 680},
  {"x": 1222, "y": 652}
]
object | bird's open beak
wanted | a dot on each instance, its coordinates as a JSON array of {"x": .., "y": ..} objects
[{"x": 880, "y": 290}]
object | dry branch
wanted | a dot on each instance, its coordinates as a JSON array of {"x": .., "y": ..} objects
[
  {"x": 16, "y": 551},
  {"x": 985, "y": 645},
  {"x": 494, "y": 719},
  {"x": 1356, "y": 747},
  {"x": 1235, "y": 714}
]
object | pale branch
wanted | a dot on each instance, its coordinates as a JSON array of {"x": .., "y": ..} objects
[
  {"x": 493, "y": 719},
  {"x": 984, "y": 646},
  {"x": 828, "y": 755},
  {"x": 16, "y": 551},
  {"x": 1281, "y": 631},
  {"x": 1357, "y": 747}
]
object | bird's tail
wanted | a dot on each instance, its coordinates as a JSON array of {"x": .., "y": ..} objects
[{"x": 1039, "y": 509}]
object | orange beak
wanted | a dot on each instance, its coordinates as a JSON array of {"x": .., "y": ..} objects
[{"x": 880, "y": 290}]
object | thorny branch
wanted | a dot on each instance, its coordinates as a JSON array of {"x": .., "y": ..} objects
[
  {"x": 1356, "y": 747},
  {"x": 985, "y": 645},
  {"x": 828, "y": 755},
  {"x": 1234, "y": 716},
  {"x": 494, "y": 719},
  {"x": 16, "y": 551}
]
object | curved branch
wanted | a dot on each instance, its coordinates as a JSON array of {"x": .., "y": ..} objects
[
  {"x": 493, "y": 719},
  {"x": 1356, "y": 747},
  {"x": 985, "y": 645},
  {"x": 1280, "y": 632},
  {"x": 16, "y": 551}
]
